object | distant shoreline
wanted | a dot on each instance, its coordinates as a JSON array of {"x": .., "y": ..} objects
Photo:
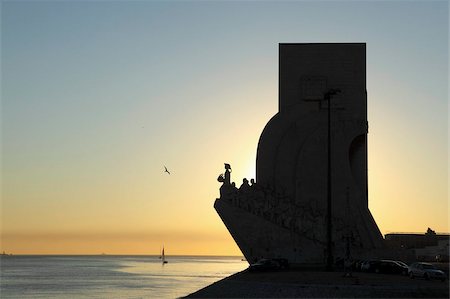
[{"x": 106, "y": 254}]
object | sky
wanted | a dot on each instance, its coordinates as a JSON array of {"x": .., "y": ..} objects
[{"x": 97, "y": 96}]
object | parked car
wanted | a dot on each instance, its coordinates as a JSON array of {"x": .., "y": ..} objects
[
  {"x": 391, "y": 267},
  {"x": 425, "y": 270},
  {"x": 402, "y": 263},
  {"x": 403, "y": 266},
  {"x": 384, "y": 266},
  {"x": 369, "y": 266},
  {"x": 284, "y": 263},
  {"x": 264, "y": 265}
]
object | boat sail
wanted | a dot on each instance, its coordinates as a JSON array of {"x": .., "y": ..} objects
[{"x": 163, "y": 257}]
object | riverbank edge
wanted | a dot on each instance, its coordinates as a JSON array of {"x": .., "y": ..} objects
[{"x": 317, "y": 284}]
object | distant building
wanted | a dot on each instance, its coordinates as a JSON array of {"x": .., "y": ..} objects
[
  {"x": 438, "y": 253},
  {"x": 429, "y": 246}
]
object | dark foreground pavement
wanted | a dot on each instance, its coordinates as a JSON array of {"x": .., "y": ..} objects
[{"x": 308, "y": 284}]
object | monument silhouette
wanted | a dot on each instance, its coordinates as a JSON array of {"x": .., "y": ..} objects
[{"x": 309, "y": 203}]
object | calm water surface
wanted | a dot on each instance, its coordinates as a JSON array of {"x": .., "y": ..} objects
[{"x": 110, "y": 276}]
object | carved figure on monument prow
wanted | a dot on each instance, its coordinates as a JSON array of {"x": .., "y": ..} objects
[
  {"x": 225, "y": 177},
  {"x": 227, "y": 190},
  {"x": 245, "y": 187},
  {"x": 227, "y": 173}
]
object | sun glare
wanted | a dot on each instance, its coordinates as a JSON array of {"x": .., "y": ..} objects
[{"x": 250, "y": 172}]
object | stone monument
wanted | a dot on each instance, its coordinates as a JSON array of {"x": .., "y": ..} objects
[{"x": 309, "y": 203}]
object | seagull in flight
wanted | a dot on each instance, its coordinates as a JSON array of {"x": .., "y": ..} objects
[{"x": 166, "y": 170}]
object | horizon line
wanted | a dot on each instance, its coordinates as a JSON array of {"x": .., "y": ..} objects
[{"x": 114, "y": 254}]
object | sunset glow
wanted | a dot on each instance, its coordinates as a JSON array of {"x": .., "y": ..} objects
[{"x": 98, "y": 96}]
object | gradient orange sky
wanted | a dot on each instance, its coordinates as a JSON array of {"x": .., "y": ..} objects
[{"x": 98, "y": 96}]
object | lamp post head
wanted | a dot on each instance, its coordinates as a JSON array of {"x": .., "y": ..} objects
[{"x": 332, "y": 91}]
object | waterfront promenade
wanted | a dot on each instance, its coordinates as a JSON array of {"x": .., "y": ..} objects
[{"x": 316, "y": 284}]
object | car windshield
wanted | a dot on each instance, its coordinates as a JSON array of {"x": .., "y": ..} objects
[
  {"x": 428, "y": 266},
  {"x": 401, "y": 264}
]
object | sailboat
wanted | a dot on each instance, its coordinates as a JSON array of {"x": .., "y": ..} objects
[{"x": 163, "y": 257}]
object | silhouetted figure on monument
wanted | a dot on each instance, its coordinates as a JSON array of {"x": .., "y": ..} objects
[
  {"x": 245, "y": 187},
  {"x": 225, "y": 178},
  {"x": 227, "y": 173}
]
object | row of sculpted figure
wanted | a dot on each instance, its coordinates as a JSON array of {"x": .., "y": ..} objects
[{"x": 265, "y": 202}]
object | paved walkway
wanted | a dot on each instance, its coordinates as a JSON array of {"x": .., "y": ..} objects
[{"x": 311, "y": 284}]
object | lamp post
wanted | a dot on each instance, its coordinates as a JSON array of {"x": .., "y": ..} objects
[{"x": 327, "y": 97}]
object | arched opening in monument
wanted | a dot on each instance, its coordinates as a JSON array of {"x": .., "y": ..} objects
[{"x": 357, "y": 159}]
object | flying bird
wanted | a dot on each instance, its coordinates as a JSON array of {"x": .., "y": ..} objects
[{"x": 166, "y": 170}]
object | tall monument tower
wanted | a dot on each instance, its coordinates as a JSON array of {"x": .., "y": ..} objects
[{"x": 310, "y": 199}]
